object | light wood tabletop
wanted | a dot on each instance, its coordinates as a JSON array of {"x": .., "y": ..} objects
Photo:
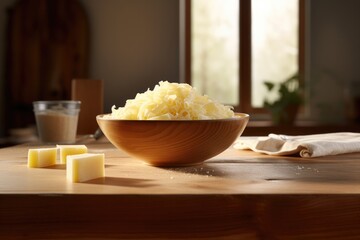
[{"x": 235, "y": 195}]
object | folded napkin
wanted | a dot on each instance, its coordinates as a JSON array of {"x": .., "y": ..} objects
[{"x": 314, "y": 145}]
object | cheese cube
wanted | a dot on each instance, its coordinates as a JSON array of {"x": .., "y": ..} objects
[
  {"x": 41, "y": 157},
  {"x": 84, "y": 167},
  {"x": 66, "y": 150}
]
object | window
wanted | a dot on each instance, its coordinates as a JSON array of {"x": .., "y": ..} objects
[
  {"x": 215, "y": 48},
  {"x": 233, "y": 46}
]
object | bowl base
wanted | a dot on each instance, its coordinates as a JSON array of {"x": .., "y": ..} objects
[{"x": 173, "y": 165}]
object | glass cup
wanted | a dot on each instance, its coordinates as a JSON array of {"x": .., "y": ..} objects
[{"x": 57, "y": 121}]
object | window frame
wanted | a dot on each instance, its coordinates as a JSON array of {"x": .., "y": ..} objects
[{"x": 244, "y": 52}]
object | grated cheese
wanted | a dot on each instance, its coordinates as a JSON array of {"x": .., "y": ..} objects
[{"x": 171, "y": 101}]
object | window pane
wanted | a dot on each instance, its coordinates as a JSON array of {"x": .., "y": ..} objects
[
  {"x": 275, "y": 25},
  {"x": 215, "y": 49}
]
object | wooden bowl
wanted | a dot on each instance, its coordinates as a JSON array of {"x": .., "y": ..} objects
[{"x": 169, "y": 143}]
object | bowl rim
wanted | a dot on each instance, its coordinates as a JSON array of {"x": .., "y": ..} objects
[{"x": 238, "y": 116}]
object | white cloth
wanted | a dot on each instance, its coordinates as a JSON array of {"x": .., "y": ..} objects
[{"x": 315, "y": 145}]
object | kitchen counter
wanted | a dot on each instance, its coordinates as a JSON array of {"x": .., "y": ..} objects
[{"x": 235, "y": 195}]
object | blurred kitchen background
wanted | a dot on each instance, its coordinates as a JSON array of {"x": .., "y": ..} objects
[{"x": 133, "y": 44}]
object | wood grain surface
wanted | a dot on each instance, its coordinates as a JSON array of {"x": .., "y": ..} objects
[{"x": 235, "y": 195}]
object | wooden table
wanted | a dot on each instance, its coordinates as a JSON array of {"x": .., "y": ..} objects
[{"x": 236, "y": 195}]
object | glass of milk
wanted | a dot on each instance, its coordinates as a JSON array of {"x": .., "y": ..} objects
[{"x": 57, "y": 121}]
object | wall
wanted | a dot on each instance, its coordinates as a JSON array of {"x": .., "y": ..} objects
[
  {"x": 134, "y": 45},
  {"x": 334, "y": 59}
]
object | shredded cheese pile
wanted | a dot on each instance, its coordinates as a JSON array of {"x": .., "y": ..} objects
[{"x": 171, "y": 101}]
